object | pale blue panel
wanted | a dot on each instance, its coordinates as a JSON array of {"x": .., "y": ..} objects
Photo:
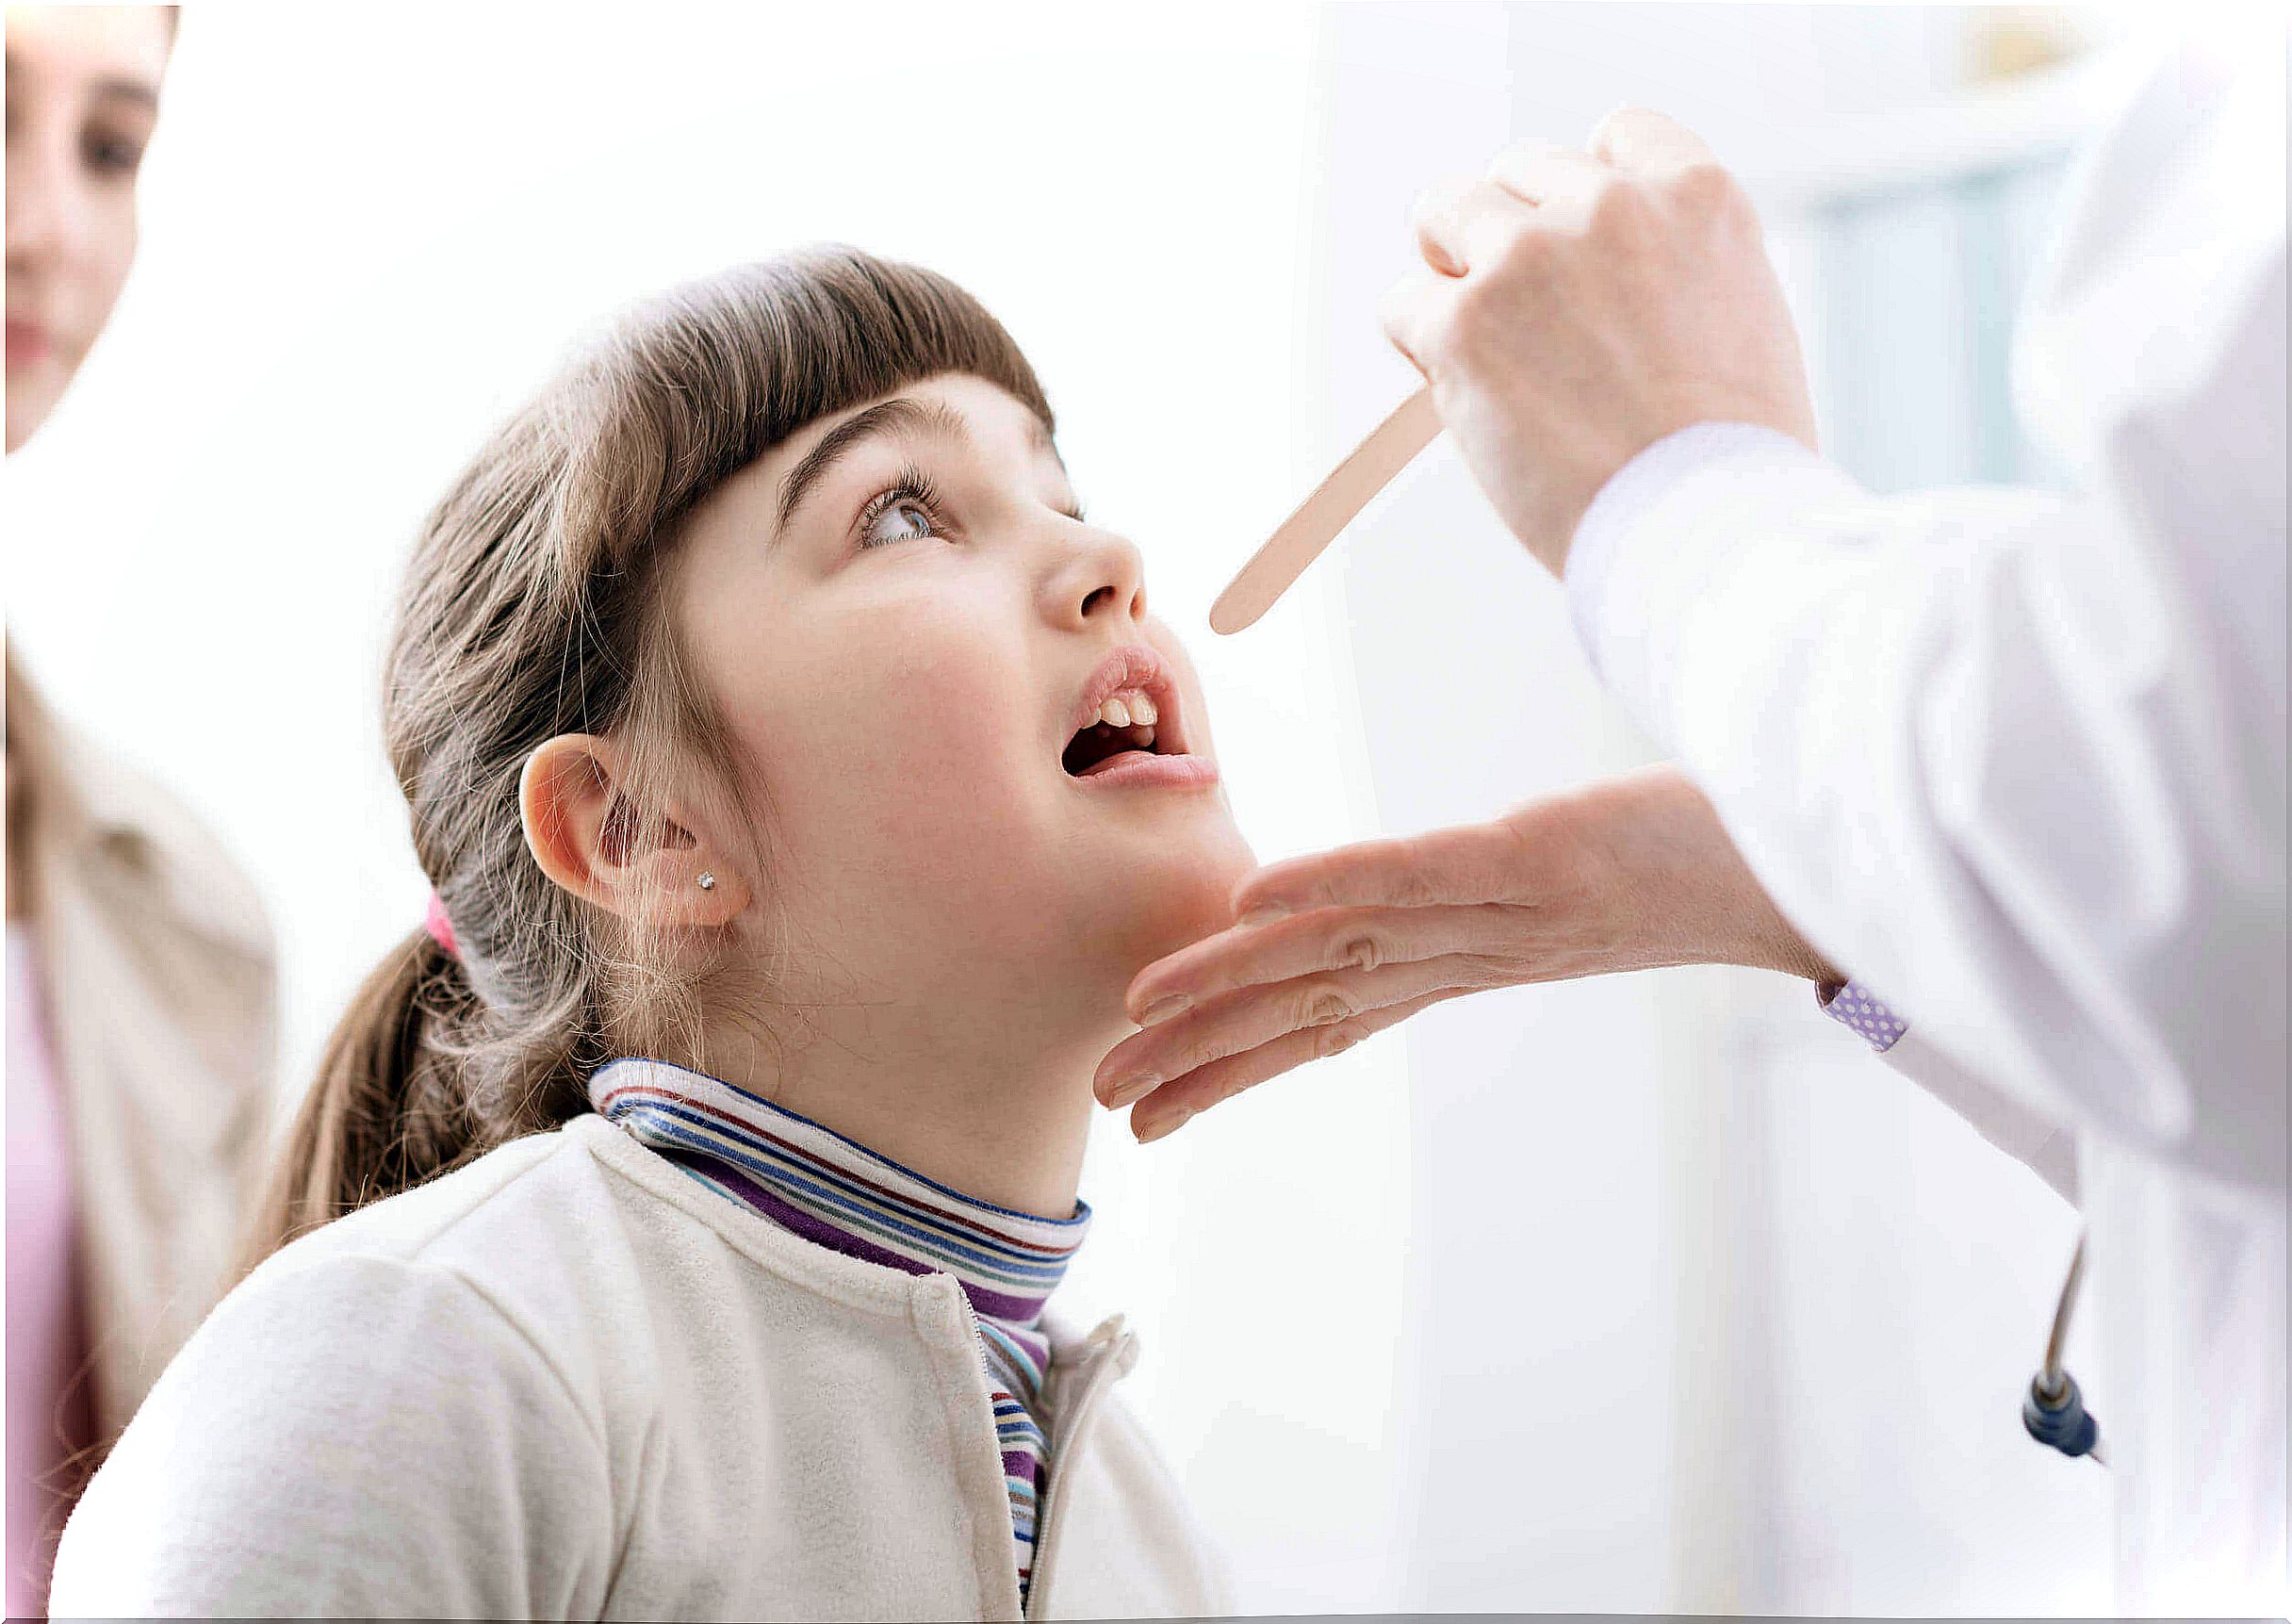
[
  {"x": 1983, "y": 202},
  {"x": 2030, "y": 199},
  {"x": 1896, "y": 299},
  {"x": 1919, "y": 290}
]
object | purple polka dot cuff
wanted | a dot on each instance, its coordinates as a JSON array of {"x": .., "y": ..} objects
[{"x": 1853, "y": 1005}]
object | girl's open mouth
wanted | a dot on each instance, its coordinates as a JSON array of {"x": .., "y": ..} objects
[
  {"x": 1104, "y": 753},
  {"x": 1101, "y": 744},
  {"x": 1126, "y": 727}
]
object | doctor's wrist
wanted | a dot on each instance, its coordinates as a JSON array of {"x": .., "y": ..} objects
[
  {"x": 1761, "y": 939},
  {"x": 1674, "y": 877},
  {"x": 1797, "y": 958}
]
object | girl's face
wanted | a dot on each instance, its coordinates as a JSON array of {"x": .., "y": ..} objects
[
  {"x": 83, "y": 90},
  {"x": 905, "y": 621}
]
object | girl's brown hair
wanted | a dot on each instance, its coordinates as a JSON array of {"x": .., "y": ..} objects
[{"x": 533, "y": 606}]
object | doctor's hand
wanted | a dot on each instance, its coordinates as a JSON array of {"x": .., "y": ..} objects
[
  {"x": 1575, "y": 307},
  {"x": 1627, "y": 875}
]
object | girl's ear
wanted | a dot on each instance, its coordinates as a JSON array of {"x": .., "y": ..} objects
[{"x": 585, "y": 834}]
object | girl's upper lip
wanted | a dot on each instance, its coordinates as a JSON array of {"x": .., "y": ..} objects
[{"x": 1133, "y": 667}]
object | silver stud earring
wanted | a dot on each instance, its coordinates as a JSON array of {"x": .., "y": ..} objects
[{"x": 708, "y": 883}]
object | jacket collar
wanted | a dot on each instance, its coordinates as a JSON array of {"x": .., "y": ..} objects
[{"x": 837, "y": 1193}]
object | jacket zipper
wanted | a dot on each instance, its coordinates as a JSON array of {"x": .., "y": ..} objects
[
  {"x": 994, "y": 1436},
  {"x": 1104, "y": 1357},
  {"x": 1097, "y": 1377}
]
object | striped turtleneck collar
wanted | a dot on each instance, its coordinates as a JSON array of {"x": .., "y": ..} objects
[{"x": 835, "y": 1191}]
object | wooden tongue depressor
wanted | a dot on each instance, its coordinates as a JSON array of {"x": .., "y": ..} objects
[{"x": 1390, "y": 447}]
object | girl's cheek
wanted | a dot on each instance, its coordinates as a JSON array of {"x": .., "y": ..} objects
[
  {"x": 913, "y": 720},
  {"x": 931, "y": 745},
  {"x": 953, "y": 700}
]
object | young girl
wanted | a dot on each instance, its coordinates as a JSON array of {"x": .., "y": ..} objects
[{"x": 802, "y": 779}]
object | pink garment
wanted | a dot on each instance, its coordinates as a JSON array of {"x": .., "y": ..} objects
[{"x": 49, "y": 1416}]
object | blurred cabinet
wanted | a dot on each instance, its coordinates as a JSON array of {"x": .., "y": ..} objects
[
  {"x": 1915, "y": 294},
  {"x": 1906, "y": 241}
]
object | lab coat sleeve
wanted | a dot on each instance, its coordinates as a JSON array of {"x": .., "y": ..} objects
[
  {"x": 2043, "y": 1145},
  {"x": 1995, "y": 750},
  {"x": 2018, "y": 759},
  {"x": 356, "y": 1438},
  {"x": 2048, "y": 1148}
]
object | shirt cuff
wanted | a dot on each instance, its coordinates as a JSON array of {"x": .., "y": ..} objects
[
  {"x": 1855, "y": 1006},
  {"x": 1735, "y": 455}
]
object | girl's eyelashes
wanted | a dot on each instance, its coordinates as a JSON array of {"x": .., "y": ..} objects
[
  {"x": 909, "y": 508},
  {"x": 906, "y": 510}
]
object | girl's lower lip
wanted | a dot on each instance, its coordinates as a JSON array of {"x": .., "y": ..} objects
[{"x": 1139, "y": 768}]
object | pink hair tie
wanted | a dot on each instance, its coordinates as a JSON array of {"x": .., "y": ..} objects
[{"x": 440, "y": 927}]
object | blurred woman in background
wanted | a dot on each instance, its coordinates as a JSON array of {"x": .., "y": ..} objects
[{"x": 139, "y": 974}]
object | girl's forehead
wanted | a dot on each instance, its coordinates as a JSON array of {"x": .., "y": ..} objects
[
  {"x": 955, "y": 404},
  {"x": 956, "y": 411},
  {"x": 117, "y": 50},
  {"x": 952, "y": 413}
]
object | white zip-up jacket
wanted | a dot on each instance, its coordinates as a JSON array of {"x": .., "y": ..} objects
[{"x": 568, "y": 1382}]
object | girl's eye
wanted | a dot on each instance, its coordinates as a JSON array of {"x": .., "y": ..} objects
[{"x": 905, "y": 519}]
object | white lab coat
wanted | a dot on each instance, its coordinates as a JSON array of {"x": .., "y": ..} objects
[{"x": 2019, "y": 763}]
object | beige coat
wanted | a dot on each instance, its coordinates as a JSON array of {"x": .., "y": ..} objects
[{"x": 157, "y": 968}]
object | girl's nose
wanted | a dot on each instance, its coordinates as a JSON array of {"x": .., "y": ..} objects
[{"x": 1101, "y": 577}]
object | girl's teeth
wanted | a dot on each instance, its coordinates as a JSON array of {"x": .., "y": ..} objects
[{"x": 1128, "y": 710}]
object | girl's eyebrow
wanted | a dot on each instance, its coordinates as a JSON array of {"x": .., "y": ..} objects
[{"x": 886, "y": 419}]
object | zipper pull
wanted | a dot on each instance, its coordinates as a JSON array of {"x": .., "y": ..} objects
[{"x": 1113, "y": 1335}]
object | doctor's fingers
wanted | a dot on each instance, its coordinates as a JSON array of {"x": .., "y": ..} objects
[
  {"x": 1167, "y": 1107},
  {"x": 1414, "y": 313},
  {"x": 1468, "y": 227},
  {"x": 1644, "y": 140},
  {"x": 1432, "y": 217},
  {"x": 1562, "y": 183},
  {"x": 1331, "y": 1004},
  {"x": 1516, "y": 857},
  {"x": 1513, "y": 260},
  {"x": 1319, "y": 939}
]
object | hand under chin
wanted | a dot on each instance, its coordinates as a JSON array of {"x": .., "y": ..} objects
[{"x": 1159, "y": 906}]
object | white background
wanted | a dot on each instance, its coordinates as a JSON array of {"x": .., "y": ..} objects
[{"x": 1593, "y": 1296}]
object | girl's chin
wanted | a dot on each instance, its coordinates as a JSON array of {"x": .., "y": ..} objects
[{"x": 1178, "y": 897}]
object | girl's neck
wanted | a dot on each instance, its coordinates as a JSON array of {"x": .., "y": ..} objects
[{"x": 995, "y": 1113}]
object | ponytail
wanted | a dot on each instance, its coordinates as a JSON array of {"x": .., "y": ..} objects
[{"x": 386, "y": 1110}]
